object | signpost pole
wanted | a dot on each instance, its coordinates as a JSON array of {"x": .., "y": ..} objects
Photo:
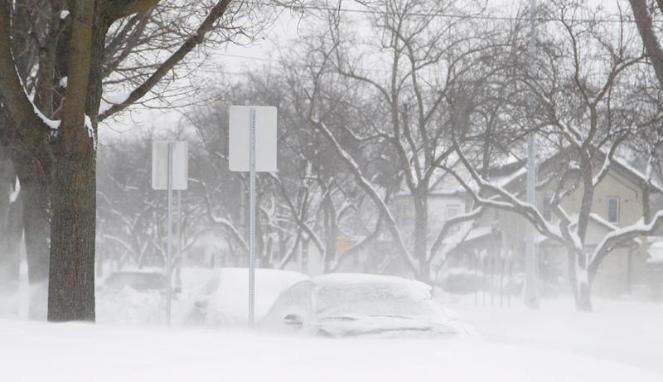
[
  {"x": 178, "y": 241},
  {"x": 252, "y": 143},
  {"x": 169, "y": 228},
  {"x": 252, "y": 215},
  {"x": 170, "y": 173}
]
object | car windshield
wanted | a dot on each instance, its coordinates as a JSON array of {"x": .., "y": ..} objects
[{"x": 339, "y": 297}]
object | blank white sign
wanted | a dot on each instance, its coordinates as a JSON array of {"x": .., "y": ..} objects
[
  {"x": 178, "y": 154},
  {"x": 238, "y": 138}
]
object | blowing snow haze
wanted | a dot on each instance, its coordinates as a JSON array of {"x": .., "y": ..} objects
[{"x": 331, "y": 190}]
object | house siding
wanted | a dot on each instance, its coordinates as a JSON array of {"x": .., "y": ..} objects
[{"x": 623, "y": 271}]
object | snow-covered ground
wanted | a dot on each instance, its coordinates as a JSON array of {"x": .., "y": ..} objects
[
  {"x": 620, "y": 341},
  {"x": 84, "y": 352},
  {"x": 621, "y": 331},
  {"x": 224, "y": 292}
]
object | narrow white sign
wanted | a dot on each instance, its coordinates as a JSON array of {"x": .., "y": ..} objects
[
  {"x": 173, "y": 155},
  {"x": 265, "y": 138}
]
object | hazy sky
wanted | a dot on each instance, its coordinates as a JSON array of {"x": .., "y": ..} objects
[
  {"x": 286, "y": 28},
  {"x": 233, "y": 60}
]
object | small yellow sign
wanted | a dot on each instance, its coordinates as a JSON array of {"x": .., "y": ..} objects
[{"x": 342, "y": 246}]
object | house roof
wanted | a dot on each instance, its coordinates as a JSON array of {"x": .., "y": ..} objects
[
  {"x": 516, "y": 171},
  {"x": 465, "y": 237},
  {"x": 593, "y": 219},
  {"x": 638, "y": 174}
]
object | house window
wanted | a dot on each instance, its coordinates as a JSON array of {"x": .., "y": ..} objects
[{"x": 613, "y": 209}]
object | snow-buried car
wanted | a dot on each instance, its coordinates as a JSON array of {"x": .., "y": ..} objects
[{"x": 340, "y": 305}]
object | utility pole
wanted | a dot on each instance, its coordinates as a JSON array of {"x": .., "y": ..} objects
[{"x": 532, "y": 259}]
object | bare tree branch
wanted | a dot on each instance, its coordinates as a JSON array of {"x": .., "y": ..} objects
[
  {"x": 196, "y": 39},
  {"x": 652, "y": 45}
]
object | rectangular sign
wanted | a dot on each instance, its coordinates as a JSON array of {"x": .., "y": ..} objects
[
  {"x": 173, "y": 155},
  {"x": 265, "y": 138}
]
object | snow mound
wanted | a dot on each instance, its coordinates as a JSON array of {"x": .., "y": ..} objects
[
  {"x": 227, "y": 293},
  {"x": 129, "y": 306},
  {"x": 74, "y": 352}
]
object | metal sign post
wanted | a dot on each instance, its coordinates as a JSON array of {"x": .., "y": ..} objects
[
  {"x": 178, "y": 241},
  {"x": 169, "y": 228},
  {"x": 252, "y": 132},
  {"x": 169, "y": 173},
  {"x": 252, "y": 215}
]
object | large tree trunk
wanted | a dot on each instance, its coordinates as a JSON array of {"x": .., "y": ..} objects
[
  {"x": 643, "y": 20},
  {"x": 421, "y": 235},
  {"x": 331, "y": 233},
  {"x": 73, "y": 191},
  {"x": 71, "y": 286},
  {"x": 36, "y": 223},
  {"x": 582, "y": 283},
  {"x": 11, "y": 228},
  {"x": 37, "y": 227},
  {"x": 584, "y": 297},
  {"x": 579, "y": 280},
  {"x": 31, "y": 218},
  {"x": 34, "y": 217}
]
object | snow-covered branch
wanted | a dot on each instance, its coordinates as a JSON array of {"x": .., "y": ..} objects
[
  {"x": 366, "y": 185},
  {"x": 448, "y": 224},
  {"x": 223, "y": 222},
  {"x": 616, "y": 237},
  {"x": 504, "y": 200}
]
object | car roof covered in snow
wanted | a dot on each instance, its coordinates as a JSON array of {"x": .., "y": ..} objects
[
  {"x": 341, "y": 294},
  {"x": 416, "y": 289},
  {"x": 358, "y": 295}
]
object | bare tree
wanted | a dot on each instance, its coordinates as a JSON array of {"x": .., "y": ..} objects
[
  {"x": 11, "y": 227},
  {"x": 307, "y": 201},
  {"x": 414, "y": 80},
  {"x": 582, "y": 109},
  {"x": 643, "y": 13},
  {"x": 55, "y": 139}
]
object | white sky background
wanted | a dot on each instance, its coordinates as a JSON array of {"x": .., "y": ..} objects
[{"x": 234, "y": 60}]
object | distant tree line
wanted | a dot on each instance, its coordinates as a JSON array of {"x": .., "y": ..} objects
[{"x": 372, "y": 104}]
